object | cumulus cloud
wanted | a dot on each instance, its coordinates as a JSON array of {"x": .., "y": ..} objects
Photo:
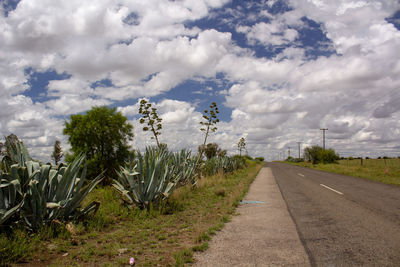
[
  {"x": 274, "y": 33},
  {"x": 146, "y": 48}
]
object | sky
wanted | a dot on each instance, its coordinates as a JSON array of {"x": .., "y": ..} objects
[{"x": 279, "y": 71}]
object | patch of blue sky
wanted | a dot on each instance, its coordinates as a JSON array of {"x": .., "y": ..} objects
[
  {"x": 132, "y": 19},
  {"x": 395, "y": 19},
  {"x": 9, "y": 5},
  {"x": 102, "y": 83},
  {"x": 314, "y": 40},
  {"x": 38, "y": 82},
  {"x": 201, "y": 94}
]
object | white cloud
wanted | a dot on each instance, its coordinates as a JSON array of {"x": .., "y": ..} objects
[
  {"x": 275, "y": 101},
  {"x": 273, "y": 33}
]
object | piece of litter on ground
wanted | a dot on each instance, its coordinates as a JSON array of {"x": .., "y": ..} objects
[
  {"x": 65, "y": 254},
  {"x": 122, "y": 250},
  {"x": 251, "y": 202}
]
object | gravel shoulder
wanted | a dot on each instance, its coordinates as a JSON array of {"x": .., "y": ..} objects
[{"x": 262, "y": 234}]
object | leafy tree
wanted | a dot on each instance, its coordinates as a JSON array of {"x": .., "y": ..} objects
[
  {"x": 210, "y": 117},
  {"x": 241, "y": 145},
  {"x": 57, "y": 152},
  {"x": 103, "y": 135},
  {"x": 152, "y": 119},
  {"x": 317, "y": 154}
]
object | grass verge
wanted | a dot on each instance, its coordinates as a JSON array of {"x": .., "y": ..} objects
[
  {"x": 380, "y": 170},
  {"x": 167, "y": 236}
]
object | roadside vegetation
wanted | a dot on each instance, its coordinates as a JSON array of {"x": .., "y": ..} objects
[
  {"x": 380, "y": 170},
  {"x": 157, "y": 206},
  {"x": 384, "y": 170}
]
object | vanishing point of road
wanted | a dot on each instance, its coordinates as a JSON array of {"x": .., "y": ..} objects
[{"x": 342, "y": 220}]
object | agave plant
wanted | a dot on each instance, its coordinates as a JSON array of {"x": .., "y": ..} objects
[
  {"x": 186, "y": 166},
  {"x": 226, "y": 164},
  {"x": 16, "y": 152},
  {"x": 11, "y": 198},
  {"x": 42, "y": 193},
  {"x": 56, "y": 193},
  {"x": 152, "y": 177}
]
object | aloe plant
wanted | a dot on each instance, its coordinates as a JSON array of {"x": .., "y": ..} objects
[{"x": 153, "y": 176}]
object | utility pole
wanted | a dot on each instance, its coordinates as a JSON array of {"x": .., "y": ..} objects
[
  {"x": 298, "y": 144},
  {"x": 323, "y": 136},
  {"x": 289, "y": 152}
]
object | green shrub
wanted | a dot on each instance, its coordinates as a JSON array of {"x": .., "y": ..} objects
[
  {"x": 247, "y": 157},
  {"x": 317, "y": 154},
  {"x": 290, "y": 159}
]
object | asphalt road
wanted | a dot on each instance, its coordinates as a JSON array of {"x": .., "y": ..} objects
[{"x": 342, "y": 220}]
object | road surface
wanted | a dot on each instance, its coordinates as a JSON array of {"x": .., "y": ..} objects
[{"x": 342, "y": 220}]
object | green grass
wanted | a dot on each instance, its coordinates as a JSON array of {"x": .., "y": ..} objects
[
  {"x": 166, "y": 236},
  {"x": 380, "y": 170}
]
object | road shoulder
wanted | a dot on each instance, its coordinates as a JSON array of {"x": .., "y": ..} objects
[{"x": 263, "y": 234}]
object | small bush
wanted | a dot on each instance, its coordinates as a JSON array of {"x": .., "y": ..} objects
[
  {"x": 317, "y": 154},
  {"x": 247, "y": 157},
  {"x": 290, "y": 159}
]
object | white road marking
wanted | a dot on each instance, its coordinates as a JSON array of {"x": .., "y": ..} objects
[
  {"x": 340, "y": 193},
  {"x": 302, "y": 175}
]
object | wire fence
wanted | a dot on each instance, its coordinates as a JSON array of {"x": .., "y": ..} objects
[{"x": 389, "y": 162}]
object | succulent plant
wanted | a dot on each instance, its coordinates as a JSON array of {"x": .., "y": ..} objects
[
  {"x": 11, "y": 198},
  {"x": 38, "y": 194},
  {"x": 153, "y": 176},
  {"x": 226, "y": 164}
]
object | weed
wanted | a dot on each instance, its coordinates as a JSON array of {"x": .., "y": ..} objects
[
  {"x": 203, "y": 237},
  {"x": 200, "y": 248},
  {"x": 183, "y": 256},
  {"x": 226, "y": 218},
  {"x": 15, "y": 247}
]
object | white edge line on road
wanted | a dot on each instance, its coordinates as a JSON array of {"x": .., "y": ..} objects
[
  {"x": 340, "y": 193},
  {"x": 302, "y": 175}
]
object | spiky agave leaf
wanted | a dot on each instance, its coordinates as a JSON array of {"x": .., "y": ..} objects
[{"x": 11, "y": 198}]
